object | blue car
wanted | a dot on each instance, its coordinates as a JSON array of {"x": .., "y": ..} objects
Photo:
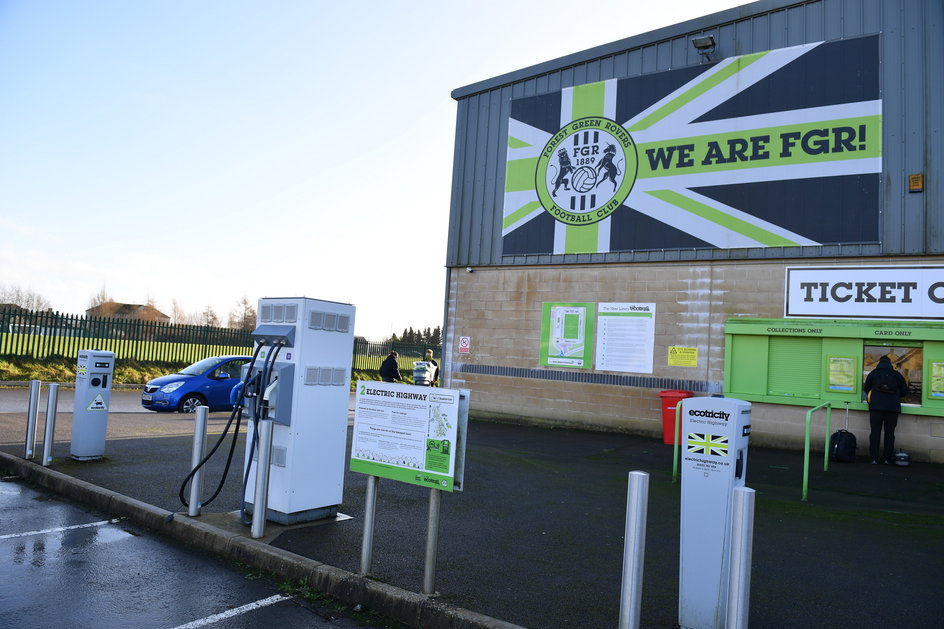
[{"x": 207, "y": 382}]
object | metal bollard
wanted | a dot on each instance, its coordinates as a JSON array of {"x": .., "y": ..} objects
[
  {"x": 260, "y": 501},
  {"x": 739, "y": 576},
  {"x": 432, "y": 543},
  {"x": 52, "y": 404},
  {"x": 199, "y": 447},
  {"x": 370, "y": 512},
  {"x": 634, "y": 549},
  {"x": 31, "y": 412}
]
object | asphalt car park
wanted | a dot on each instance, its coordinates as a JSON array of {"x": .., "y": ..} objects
[{"x": 66, "y": 566}]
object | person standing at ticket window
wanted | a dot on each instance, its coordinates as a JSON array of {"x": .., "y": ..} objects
[{"x": 884, "y": 389}]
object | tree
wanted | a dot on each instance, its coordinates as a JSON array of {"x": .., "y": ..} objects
[
  {"x": 24, "y": 298},
  {"x": 177, "y": 314},
  {"x": 209, "y": 317},
  {"x": 100, "y": 298},
  {"x": 243, "y": 316}
]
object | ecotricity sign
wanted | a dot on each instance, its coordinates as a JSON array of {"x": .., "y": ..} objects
[
  {"x": 725, "y": 155},
  {"x": 865, "y": 292}
]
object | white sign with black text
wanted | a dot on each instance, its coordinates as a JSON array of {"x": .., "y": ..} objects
[{"x": 865, "y": 292}]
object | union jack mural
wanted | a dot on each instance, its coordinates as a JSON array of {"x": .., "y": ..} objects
[{"x": 771, "y": 149}]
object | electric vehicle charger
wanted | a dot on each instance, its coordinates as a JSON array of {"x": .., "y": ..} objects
[{"x": 235, "y": 415}]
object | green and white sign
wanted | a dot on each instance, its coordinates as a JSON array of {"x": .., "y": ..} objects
[
  {"x": 406, "y": 433},
  {"x": 567, "y": 335}
]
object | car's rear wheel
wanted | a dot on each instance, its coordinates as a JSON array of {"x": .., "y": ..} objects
[{"x": 190, "y": 403}]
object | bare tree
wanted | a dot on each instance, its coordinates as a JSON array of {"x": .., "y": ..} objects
[
  {"x": 243, "y": 316},
  {"x": 100, "y": 298},
  {"x": 24, "y": 298},
  {"x": 209, "y": 317},
  {"x": 177, "y": 314}
]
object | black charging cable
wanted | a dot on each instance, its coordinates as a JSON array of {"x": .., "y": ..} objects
[
  {"x": 258, "y": 412},
  {"x": 236, "y": 416}
]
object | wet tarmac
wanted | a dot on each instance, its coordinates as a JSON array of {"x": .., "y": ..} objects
[{"x": 536, "y": 538}]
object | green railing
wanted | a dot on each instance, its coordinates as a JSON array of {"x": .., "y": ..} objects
[{"x": 806, "y": 445}]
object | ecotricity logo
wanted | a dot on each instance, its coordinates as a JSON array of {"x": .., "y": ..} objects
[
  {"x": 586, "y": 170},
  {"x": 709, "y": 414}
]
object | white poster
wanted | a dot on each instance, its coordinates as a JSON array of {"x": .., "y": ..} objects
[{"x": 625, "y": 337}]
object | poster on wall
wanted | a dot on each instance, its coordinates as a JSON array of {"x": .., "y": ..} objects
[
  {"x": 626, "y": 334},
  {"x": 937, "y": 380},
  {"x": 567, "y": 335},
  {"x": 842, "y": 373},
  {"x": 723, "y": 155},
  {"x": 406, "y": 433}
]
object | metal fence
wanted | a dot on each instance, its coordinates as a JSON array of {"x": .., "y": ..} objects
[
  {"x": 42, "y": 334},
  {"x": 368, "y": 356}
]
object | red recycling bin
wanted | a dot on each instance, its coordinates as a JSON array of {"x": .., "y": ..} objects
[{"x": 670, "y": 400}]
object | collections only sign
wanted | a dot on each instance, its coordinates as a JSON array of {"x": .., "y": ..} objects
[
  {"x": 866, "y": 292},
  {"x": 406, "y": 433},
  {"x": 725, "y": 155}
]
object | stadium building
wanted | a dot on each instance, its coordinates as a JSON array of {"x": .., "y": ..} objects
[{"x": 748, "y": 204}]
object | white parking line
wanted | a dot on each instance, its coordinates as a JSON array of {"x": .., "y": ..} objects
[
  {"x": 60, "y": 529},
  {"x": 209, "y": 620}
]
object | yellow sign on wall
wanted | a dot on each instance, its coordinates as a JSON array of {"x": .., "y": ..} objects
[{"x": 683, "y": 356}]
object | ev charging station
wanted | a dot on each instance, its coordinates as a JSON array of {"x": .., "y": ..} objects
[
  {"x": 306, "y": 360},
  {"x": 93, "y": 381},
  {"x": 715, "y": 434}
]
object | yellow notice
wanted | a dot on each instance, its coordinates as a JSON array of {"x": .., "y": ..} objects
[{"x": 683, "y": 356}]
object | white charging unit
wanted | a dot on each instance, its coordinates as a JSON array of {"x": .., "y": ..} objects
[
  {"x": 714, "y": 441},
  {"x": 309, "y": 392},
  {"x": 94, "y": 372}
]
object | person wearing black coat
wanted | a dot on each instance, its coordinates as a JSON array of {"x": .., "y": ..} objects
[
  {"x": 884, "y": 388},
  {"x": 389, "y": 369},
  {"x": 429, "y": 358}
]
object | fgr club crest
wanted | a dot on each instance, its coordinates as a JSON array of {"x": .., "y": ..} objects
[{"x": 586, "y": 171}]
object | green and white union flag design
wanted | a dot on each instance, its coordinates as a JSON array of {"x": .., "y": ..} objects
[
  {"x": 713, "y": 445},
  {"x": 653, "y": 162}
]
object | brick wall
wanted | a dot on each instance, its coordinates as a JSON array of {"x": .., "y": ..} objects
[{"x": 500, "y": 308}]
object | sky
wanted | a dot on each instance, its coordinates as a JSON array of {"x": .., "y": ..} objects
[{"x": 206, "y": 151}]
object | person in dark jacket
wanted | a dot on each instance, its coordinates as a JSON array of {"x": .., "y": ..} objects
[
  {"x": 429, "y": 358},
  {"x": 389, "y": 369},
  {"x": 884, "y": 388}
]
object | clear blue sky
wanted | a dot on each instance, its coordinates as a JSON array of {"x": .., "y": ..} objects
[{"x": 202, "y": 151}]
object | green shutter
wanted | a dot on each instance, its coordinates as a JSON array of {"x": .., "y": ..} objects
[
  {"x": 747, "y": 371},
  {"x": 795, "y": 367}
]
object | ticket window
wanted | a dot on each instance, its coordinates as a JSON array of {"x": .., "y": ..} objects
[{"x": 908, "y": 361}]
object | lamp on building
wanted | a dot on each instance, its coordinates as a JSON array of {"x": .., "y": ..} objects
[{"x": 704, "y": 44}]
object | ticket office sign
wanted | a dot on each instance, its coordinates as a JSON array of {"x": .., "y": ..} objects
[{"x": 406, "y": 433}]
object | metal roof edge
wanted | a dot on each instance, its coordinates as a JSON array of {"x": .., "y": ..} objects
[{"x": 702, "y": 23}]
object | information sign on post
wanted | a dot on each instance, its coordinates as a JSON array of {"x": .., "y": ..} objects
[{"x": 407, "y": 433}]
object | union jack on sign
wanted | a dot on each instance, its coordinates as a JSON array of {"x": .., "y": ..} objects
[{"x": 701, "y": 443}]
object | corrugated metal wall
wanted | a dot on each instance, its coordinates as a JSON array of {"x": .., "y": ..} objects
[{"x": 912, "y": 67}]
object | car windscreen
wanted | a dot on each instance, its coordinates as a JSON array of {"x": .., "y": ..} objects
[{"x": 199, "y": 367}]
